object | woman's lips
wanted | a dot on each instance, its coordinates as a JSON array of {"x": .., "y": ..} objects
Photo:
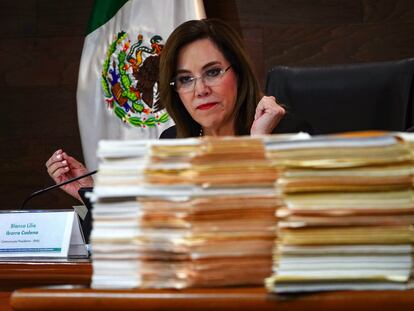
[{"x": 206, "y": 106}]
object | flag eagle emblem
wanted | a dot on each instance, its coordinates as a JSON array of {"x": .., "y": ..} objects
[{"x": 130, "y": 80}]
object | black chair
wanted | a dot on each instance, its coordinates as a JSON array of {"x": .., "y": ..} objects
[{"x": 353, "y": 97}]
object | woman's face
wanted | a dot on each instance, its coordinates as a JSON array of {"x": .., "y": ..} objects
[{"x": 212, "y": 106}]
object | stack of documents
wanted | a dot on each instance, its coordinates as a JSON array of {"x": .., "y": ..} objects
[
  {"x": 183, "y": 213},
  {"x": 347, "y": 216}
]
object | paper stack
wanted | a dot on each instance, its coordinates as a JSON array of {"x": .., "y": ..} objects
[
  {"x": 347, "y": 217},
  {"x": 183, "y": 213}
]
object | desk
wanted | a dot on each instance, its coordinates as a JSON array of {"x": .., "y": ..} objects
[
  {"x": 229, "y": 299},
  {"x": 17, "y": 274}
]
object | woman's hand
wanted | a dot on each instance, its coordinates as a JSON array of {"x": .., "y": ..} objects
[
  {"x": 268, "y": 115},
  {"x": 62, "y": 167}
]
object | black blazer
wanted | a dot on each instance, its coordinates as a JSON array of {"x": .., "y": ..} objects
[{"x": 289, "y": 124}]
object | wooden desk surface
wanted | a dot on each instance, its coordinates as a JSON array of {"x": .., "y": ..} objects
[
  {"x": 17, "y": 274},
  {"x": 206, "y": 299}
]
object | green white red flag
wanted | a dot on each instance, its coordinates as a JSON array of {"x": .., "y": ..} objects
[{"x": 117, "y": 95}]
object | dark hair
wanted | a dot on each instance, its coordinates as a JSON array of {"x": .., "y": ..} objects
[{"x": 230, "y": 45}]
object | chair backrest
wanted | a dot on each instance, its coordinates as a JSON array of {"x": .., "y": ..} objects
[{"x": 353, "y": 97}]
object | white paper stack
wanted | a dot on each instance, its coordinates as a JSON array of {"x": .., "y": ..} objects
[
  {"x": 183, "y": 213},
  {"x": 347, "y": 216}
]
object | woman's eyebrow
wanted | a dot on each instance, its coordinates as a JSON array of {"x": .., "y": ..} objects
[
  {"x": 209, "y": 64},
  {"x": 183, "y": 71}
]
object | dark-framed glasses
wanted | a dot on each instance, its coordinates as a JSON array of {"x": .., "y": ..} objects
[{"x": 184, "y": 83}]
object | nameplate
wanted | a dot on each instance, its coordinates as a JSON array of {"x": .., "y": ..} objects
[{"x": 54, "y": 233}]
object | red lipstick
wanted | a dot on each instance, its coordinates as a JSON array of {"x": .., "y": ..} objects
[{"x": 206, "y": 106}]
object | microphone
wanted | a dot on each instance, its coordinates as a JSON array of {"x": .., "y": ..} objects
[{"x": 38, "y": 192}]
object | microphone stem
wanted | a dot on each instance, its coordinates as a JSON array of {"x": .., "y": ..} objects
[{"x": 36, "y": 193}]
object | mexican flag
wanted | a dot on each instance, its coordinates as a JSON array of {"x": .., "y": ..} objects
[{"x": 117, "y": 95}]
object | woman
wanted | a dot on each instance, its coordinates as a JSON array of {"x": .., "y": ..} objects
[{"x": 207, "y": 86}]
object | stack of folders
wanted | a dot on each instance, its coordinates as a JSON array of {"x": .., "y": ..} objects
[
  {"x": 183, "y": 213},
  {"x": 347, "y": 216}
]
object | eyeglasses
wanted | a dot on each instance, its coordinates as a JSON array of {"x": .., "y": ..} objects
[{"x": 186, "y": 83}]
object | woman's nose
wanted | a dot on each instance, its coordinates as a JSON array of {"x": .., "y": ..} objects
[{"x": 200, "y": 88}]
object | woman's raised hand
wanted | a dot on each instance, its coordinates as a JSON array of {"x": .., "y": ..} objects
[
  {"x": 268, "y": 115},
  {"x": 62, "y": 167}
]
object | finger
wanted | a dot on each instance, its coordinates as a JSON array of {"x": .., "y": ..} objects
[
  {"x": 266, "y": 105},
  {"x": 72, "y": 161},
  {"x": 270, "y": 102},
  {"x": 56, "y": 166},
  {"x": 275, "y": 112},
  {"x": 259, "y": 112},
  {"x": 56, "y": 156},
  {"x": 56, "y": 169},
  {"x": 271, "y": 106},
  {"x": 260, "y": 108},
  {"x": 280, "y": 110},
  {"x": 60, "y": 174}
]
